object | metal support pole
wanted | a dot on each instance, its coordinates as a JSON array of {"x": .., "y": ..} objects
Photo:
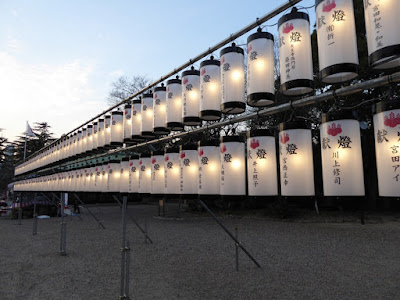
[
  {"x": 34, "y": 216},
  {"x": 228, "y": 232},
  {"x": 145, "y": 230},
  {"x": 83, "y": 204},
  {"x": 237, "y": 249},
  {"x": 123, "y": 250},
  {"x": 127, "y": 268},
  {"x": 63, "y": 240}
]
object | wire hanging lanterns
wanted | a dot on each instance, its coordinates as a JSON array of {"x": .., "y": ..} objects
[{"x": 210, "y": 90}]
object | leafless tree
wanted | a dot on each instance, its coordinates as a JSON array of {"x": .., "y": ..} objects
[{"x": 124, "y": 87}]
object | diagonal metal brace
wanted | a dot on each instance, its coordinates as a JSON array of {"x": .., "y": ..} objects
[{"x": 83, "y": 204}]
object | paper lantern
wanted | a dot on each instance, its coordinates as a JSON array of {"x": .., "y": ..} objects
[
  {"x": 342, "y": 164},
  {"x": 295, "y": 58},
  {"x": 171, "y": 171},
  {"x": 189, "y": 169},
  {"x": 89, "y": 139},
  {"x": 92, "y": 175},
  {"x": 101, "y": 138},
  {"x": 261, "y": 163},
  {"x": 134, "y": 174},
  {"x": 146, "y": 129},
  {"x": 191, "y": 97},
  {"x": 98, "y": 177},
  {"x": 145, "y": 173},
  {"x": 124, "y": 179},
  {"x": 296, "y": 159},
  {"x": 260, "y": 69},
  {"x": 136, "y": 120},
  {"x": 104, "y": 177},
  {"x": 117, "y": 128},
  {"x": 114, "y": 176},
  {"x": 160, "y": 110},
  {"x": 107, "y": 132},
  {"x": 232, "y": 80},
  {"x": 337, "y": 40},
  {"x": 387, "y": 147},
  {"x": 210, "y": 90},
  {"x": 128, "y": 124},
  {"x": 174, "y": 104},
  {"x": 157, "y": 173},
  {"x": 209, "y": 168},
  {"x": 95, "y": 135},
  {"x": 382, "y": 21},
  {"x": 233, "y": 168}
]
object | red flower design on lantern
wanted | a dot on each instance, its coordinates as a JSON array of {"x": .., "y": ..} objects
[
  {"x": 334, "y": 130},
  {"x": 392, "y": 120},
  {"x": 126, "y": 111},
  {"x": 182, "y": 156},
  {"x": 131, "y": 164},
  {"x": 223, "y": 60},
  {"x": 223, "y": 148},
  {"x": 288, "y": 28},
  {"x": 203, "y": 71},
  {"x": 155, "y": 96},
  {"x": 140, "y": 162},
  {"x": 167, "y": 88},
  {"x": 153, "y": 160},
  {"x": 285, "y": 138},
  {"x": 249, "y": 48},
  {"x": 201, "y": 152},
  {"x": 166, "y": 158},
  {"x": 185, "y": 80},
  {"x": 254, "y": 144},
  {"x": 328, "y": 6}
]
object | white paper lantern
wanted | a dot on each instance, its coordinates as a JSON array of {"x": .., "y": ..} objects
[
  {"x": 146, "y": 129},
  {"x": 210, "y": 90},
  {"x": 387, "y": 147},
  {"x": 101, "y": 137},
  {"x": 83, "y": 143},
  {"x": 89, "y": 139},
  {"x": 191, "y": 97},
  {"x": 117, "y": 128},
  {"x": 382, "y": 21},
  {"x": 107, "y": 132},
  {"x": 261, "y": 163},
  {"x": 232, "y": 80},
  {"x": 160, "y": 110},
  {"x": 104, "y": 177},
  {"x": 157, "y": 173},
  {"x": 128, "y": 124},
  {"x": 260, "y": 69},
  {"x": 295, "y": 58},
  {"x": 136, "y": 120},
  {"x": 134, "y": 174},
  {"x": 171, "y": 171},
  {"x": 92, "y": 175},
  {"x": 296, "y": 160},
  {"x": 209, "y": 168},
  {"x": 189, "y": 169},
  {"x": 78, "y": 145},
  {"x": 124, "y": 179},
  {"x": 174, "y": 104},
  {"x": 98, "y": 177},
  {"x": 114, "y": 176},
  {"x": 145, "y": 173},
  {"x": 95, "y": 135},
  {"x": 342, "y": 164},
  {"x": 337, "y": 40}
]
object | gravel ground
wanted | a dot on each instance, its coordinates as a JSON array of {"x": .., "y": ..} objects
[{"x": 193, "y": 258}]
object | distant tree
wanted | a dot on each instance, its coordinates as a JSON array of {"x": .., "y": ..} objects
[{"x": 124, "y": 87}]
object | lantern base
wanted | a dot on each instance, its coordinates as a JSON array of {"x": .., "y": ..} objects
[
  {"x": 233, "y": 108},
  {"x": 188, "y": 196},
  {"x": 175, "y": 126},
  {"x": 137, "y": 138},
  {"x": 385, "y": 58},
  {"x": 191, "y": 121},
  {"x": 297, "y": 87},
  {"x": 210, "y": 115},
  {"x": 339, "y": 73},
  {"x": 260, "y": 99},
  {"x": 116, "y": 144},
  {"x": 129, "y": 141},
  {"x": 147, "y": 134},
  {"x": 160, "y": 130}
]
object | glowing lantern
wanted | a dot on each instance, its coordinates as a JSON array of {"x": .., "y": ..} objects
[
  {"x": 337, "y": 40},
  {"x": 89, "y": 139},
  {"x": 233, "y": 168},
  {"x": 387, "y": 147},
  {"x": 107, "y": 131},
  {"x": 171, "y": 171},
  {"x": 232, "y": 80},
  {"x": 136, "y": 120},
  {"x": 146, "y": 129},
  {"x": 160, "y": 110},
  {"x": 104, "y": 177},
  {"x": 127, "y": 123},
  {"x": 134, "y": 174},
  {"x": 98, "y": 177},
  {"x": 83, "y": 143},
  {"x": 174, "y": 104},
  {"x": 191, "y": 97},
  {"x": 157, "y": 172},
  {"x": 210, "y": 90},
  {"x": 209, "y": 168},
  {"x": 260, "y": 69},
  {"x": 114, "y": 176},
  {"x": 117, "y": 128},
  {"x": 189, "y": 169},
  {"x": 295, "y": 56},
  {"x": 145, "y": 173},
  {"x": 382, "y": 21},
  {"x": 342, "y": 164},
  {"x": 95, "y": 135},
  {"x": 101, "y": 135},
  {"x": 296, "y": 160},
  {"x": 261, "y": 163},
  {"x": 92, "y": 175},
  {"x": 124, "y": 179}
]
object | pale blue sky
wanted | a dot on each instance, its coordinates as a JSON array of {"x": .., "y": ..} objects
[{"x": 58, "y": 58}]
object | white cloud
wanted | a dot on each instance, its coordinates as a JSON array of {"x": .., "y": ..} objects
[
  {"x": 115, "y": 74},
  {"x": 58, "y": 94},
  {"x": 14, "y": 13},
  {"x": 12, "y": 45}
]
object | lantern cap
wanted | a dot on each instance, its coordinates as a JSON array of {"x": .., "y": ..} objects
[
  {"x": 114, "y": 161},
  {"x": 127, "y": 106},
  {"x": 191, "y": 72},
  {"x": 385, "y": 106},
  {"x": 231, "y": 49},
  {"x": 260, "y": 132},
  {"x": 175, "y": 80},
  {"x": 126, "y": 158},
  {"x": 232, "y": 138},
  {"x": 95, "y": 123},
  {"x": 338, "y": 115},
  {"x": 108, "y": 116},
  {"x": 160, "y": 89},
  {"x": 134, "y": 156},
  {"x": 136, "y": 101},
  {"x": 171, "y": 150},
  {"x": 153, "y": 153},
  {"x": 294, "y": 14},
  {"x": 101, "y": 120},
  {"x": 260, "y": 35},
  {"x": 293, "y": 125},
  {"x": 148, "y": 95},
  {"x": 210, "y": 62},
  {"x": 90, "y": 126},
  {"x": 83, "y": 129},
  {"x": 208, "y": 143},
  {"x": 117, "y": 112},
  {"x": 188, "y": 147},
  {"x": 142, "y": 155}
]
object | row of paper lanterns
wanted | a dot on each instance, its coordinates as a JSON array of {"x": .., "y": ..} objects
[
  {"x": 219, "y": 86},
  {"x": 212, "y": 169}
]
